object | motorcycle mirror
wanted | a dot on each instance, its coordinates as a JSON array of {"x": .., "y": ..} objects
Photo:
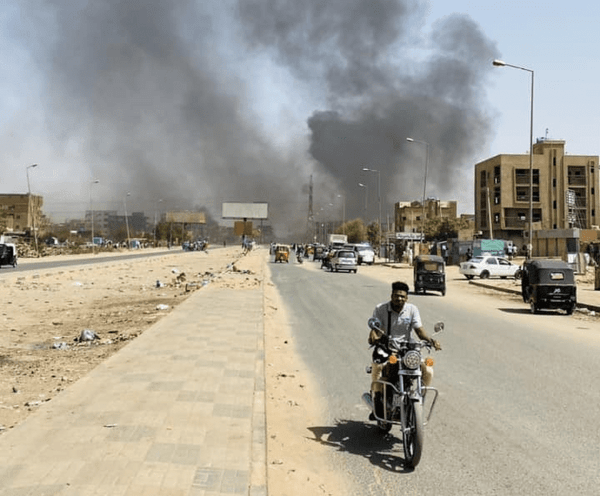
[
  {"x": 439, "y": 327},
  {"x": 375, "y": 324}
]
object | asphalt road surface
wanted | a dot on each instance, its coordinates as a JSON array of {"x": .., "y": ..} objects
[{"x": 519, "y": 393}]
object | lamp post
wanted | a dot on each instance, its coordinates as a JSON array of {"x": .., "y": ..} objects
[
  {"x": 159, "y": 201},
  {"x": 95, "y": 181},
  {"x": 126, "y": 219},
  {"x": 501, "y": 63},
  {"x": 366, "y": 169},
  {"x": 31, "y": 212},
  {"x": 343, "y": 213},
  {"x": 366, "y": 197},
  {"x": 411, "y": 140}
]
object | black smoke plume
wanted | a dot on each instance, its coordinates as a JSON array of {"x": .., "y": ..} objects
[{"x": 154, "y": 95}]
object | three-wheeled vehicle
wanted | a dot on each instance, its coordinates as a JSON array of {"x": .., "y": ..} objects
[
  {"x": 319, "y": 252},
  {"x": 549, "y": 284},
  {"x": 282, "y": 253},
  {"x": 429, "y": 273},
  {"x": 8, "y": 254}
]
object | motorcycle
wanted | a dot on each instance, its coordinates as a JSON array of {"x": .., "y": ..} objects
[{"x": 405, "y": 381}]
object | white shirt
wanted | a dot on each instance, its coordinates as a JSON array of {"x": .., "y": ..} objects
[{"x": 401, "y": 323}]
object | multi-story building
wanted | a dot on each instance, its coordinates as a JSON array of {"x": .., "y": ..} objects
[
  {"x": 101, "y": 221},
  {"x": 409, "y": 215},
  {"x": 21, "y": 212},
  {"x": 565, "y": 192}
]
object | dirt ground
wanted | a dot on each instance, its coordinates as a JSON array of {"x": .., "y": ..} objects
[{"x": 45, "y": 313}]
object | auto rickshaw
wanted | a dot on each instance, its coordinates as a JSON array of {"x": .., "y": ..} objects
[
  {"x": 282, "y": 253},
  {"x": 429, "y": 273},
  {"x": 8, "y": 254},
  {"x": 319, "y": 253},
  {"x": 548, "y": 283}
]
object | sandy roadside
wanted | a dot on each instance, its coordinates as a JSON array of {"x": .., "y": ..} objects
[{"x": 46, "y": 310}]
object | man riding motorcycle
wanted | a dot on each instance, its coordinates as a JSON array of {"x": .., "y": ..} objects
[{"x": 397, "y": 318}]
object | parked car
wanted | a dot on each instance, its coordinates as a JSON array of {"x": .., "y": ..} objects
[
  {"x": 344, "y": 260},
  {"x": 488, "y": 266},
  {"x": 366, "y": 254},
  {"x": 549, "y": 284},
  {"x": 429, "y": 273}
]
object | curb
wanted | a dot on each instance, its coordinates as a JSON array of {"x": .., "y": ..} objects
[{"x": 589, "y": 306}]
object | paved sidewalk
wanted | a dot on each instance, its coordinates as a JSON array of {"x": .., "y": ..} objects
[{"x": 179, "y": 411}]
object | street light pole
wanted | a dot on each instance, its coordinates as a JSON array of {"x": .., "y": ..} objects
[
  {"x": 411, "y": 140},
  {"x": 126, "y": 219},
  {"x": 159, "y": 201},
  {"x": 31, "y": 212},
  {"x": 366, "y": 198},
  {"x": 95, "y": 181},
  {"x": 501, "y": 63},
  {"x": 366, "y": 169},
  {"x": 343, "y": 213}
]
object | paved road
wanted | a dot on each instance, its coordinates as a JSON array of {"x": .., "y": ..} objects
[
  {"x": 31, "y": 264},
  {"x": 518, "y": 407}
]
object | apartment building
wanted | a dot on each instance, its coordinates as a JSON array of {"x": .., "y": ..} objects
[
  {"x": 408, "y": 215},
  {"x": 21, "y": 212},
  {"x": 565, "y": 192}
]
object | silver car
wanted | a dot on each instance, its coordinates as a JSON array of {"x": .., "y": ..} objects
[{"x": 344, "y": 260}]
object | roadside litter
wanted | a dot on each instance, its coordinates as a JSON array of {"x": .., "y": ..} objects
[{"x": 87, "y": 335}]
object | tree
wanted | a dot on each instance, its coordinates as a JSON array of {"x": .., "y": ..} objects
[
  {"x": 354, "y": 229},
  {"x": 442, "y": 229},
  {"x": 373, "y": 234}
]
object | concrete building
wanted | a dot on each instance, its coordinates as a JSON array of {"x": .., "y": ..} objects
[
  {"x": 565, "y": 192},
  {"x": 408, "y": 215},
  {"x": 21, "y": 212},
  {"x": 101, "y": 221}
]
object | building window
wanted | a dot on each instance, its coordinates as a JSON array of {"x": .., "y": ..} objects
[
  {"x": 496, "y": 218},
  {"x": 497, "y": 174},
  {"x": 554, "y": 182},
  {"x": 554, "y": 204},
  {"x": 483, "y": 179},
  {"x": 593, "y": 212},
  {"x": 496, "y": 196},
  {"x": 592, "y": 191},
  {"x": 522, "y": 176}
]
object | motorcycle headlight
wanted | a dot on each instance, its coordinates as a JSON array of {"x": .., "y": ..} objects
[{"x": 412, "y": 359}]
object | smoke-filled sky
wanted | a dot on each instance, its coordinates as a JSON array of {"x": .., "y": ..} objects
[{"x": 199, "y": 102}]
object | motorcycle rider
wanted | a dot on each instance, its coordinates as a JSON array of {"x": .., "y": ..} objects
[{"x": 398, "y": 318}]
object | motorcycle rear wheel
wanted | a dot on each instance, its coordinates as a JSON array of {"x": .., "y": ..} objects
[{"x": 413, "y": 436}]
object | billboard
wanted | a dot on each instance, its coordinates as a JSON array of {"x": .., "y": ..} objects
[
  {"x": 186, "y": 217},
  {"x": 245, "y": 210}
]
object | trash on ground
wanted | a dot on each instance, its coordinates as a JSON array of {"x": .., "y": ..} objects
[
  {"x": 60, "y": 346},
  {"x": 162, "y": 306},
  {"x": 87, "y": 335}
]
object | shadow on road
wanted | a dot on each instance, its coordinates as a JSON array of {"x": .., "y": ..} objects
[
  {"x": 515, "y": 310},
  {"x": 366, "y": 440}
]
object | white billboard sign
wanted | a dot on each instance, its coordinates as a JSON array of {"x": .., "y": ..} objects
[{"x": 245, "y": 210}]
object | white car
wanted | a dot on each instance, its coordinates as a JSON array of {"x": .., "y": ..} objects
[
  {"x": 366, "y": 254},
  {"x": 488, "y": 266}
]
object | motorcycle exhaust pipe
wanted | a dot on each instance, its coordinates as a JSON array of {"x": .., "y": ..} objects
[{"x": 366, "y": 397}]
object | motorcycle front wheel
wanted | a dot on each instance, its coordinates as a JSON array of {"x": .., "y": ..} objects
[{"x": 413, "y": 435}]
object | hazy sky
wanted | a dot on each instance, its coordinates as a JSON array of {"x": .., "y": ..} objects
[{"x": 200, "y": 102}]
